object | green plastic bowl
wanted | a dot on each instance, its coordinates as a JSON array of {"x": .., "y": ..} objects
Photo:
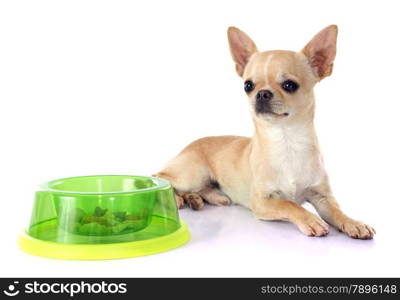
[{"x": 104, "y": 217}]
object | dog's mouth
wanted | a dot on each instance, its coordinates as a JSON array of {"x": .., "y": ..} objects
[
  {"x": 279, "y": 115},
  {"x": 270, "y": 109},
  {"x": 274, "y": 114}
]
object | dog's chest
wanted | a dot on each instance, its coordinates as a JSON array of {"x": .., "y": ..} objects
[{"x": 295, "y": 162}]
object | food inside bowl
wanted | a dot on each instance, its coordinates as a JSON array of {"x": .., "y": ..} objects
[{"x": 102, "y": 222}]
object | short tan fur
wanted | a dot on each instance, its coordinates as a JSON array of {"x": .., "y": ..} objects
[{"x": 280, "y": 166}]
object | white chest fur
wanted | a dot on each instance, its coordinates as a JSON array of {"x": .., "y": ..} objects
[{"x": 296, "y": 162}]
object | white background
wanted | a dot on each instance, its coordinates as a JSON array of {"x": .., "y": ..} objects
[{"x": 119, "y": 87}]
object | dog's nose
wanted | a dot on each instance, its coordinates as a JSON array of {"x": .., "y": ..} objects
[{"x": 265, "y": 95}]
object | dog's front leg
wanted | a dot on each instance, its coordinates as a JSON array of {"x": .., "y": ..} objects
[
  {"x": 276, "y": 209},
  {"x": 330, "y": 211}
]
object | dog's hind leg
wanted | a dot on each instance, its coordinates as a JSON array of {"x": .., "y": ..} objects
[
  {"x": 194, "y": 200},
  {"x": 215, "y": 196},
  {"x": 188, "y": 175},
  {"x": 180, "y": 202}
]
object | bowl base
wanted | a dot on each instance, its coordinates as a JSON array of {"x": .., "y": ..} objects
[{"x": 147, "y": 245}]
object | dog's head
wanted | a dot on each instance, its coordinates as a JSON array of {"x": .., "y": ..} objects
[{"x": 279, "y": 84}]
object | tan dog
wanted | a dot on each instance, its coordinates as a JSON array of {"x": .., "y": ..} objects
[{"x": 281, "y": 166}]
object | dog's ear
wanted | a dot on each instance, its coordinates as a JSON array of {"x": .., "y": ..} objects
[
  {"x": 321, "y": 51},
  {"x": 242, "y": 47}
]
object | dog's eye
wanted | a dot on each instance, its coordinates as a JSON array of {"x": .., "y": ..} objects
[
  {"x": 248, "y": 86},
  {"x": 290, "y": 86}
]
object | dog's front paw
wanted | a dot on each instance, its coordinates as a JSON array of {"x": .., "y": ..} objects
[
  {"x": 312, "y": 225},
  {"x": 357, "y": 230}
]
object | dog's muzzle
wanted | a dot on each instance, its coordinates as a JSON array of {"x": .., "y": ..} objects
[{"x": 263, "y": 99}]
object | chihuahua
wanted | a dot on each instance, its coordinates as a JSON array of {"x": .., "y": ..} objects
[{"x": 281, "y": 166}]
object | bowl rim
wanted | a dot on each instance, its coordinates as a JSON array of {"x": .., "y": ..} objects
[{"x": 160, "y": 184}]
